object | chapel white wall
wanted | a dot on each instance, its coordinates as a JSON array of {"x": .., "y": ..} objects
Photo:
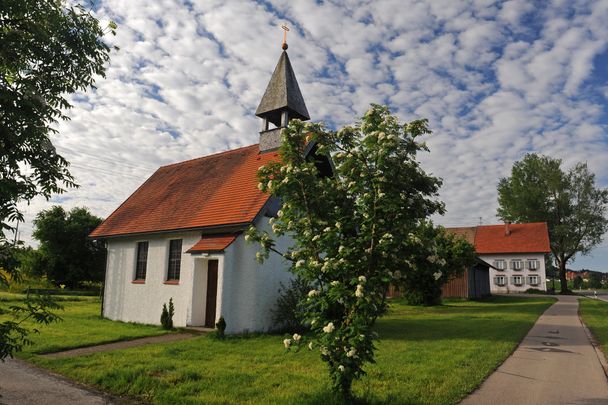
[
  {"x": 508, "y": 272},
  {"x": 249, "y": 290},
  {"x": 142, "y": 303}
]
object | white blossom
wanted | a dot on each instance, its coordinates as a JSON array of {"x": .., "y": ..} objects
[
  {"x": 341, "y": 368},
  {"x": 352, "y": 352},
  {"x": 324, "y": 351},
  {"x": 328, "y": 229},
  {"x": 258, "y": 256},
  {"x": 260, "y": 186},
  {"x": 296, "y": 337},
  {"x": 310, "y": 345},
  {"x": 329, "y": 328},
  {"x": 300, "y": 263},
  {"x": 341, "y": 249},
  {"x": 316, "y": 238},
  {"x": 287, "y": 343},
  {"x": 437, "y": 275},
  {"x": 359, "y": 291},
  {"x": 248, "y": 237},
  {"x": 335, "y": 283},
  {"x": 279, "y": 213},
  {"x": 338, "y": 225},
  {"x": 313, "y": 293},
  {"x": 270, "y": 185},
  {"x": 325, "y": 267},
  {"x": 276, "y": 228},
  {"x": 362, "y": 279}
]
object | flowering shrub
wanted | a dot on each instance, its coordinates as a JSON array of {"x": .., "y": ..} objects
[{"x": 353, "y": 231}]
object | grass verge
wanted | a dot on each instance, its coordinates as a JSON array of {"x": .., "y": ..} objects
[
  {"x": 595, "y": 315},
  {"x": 81, "y": 326},
  {"x": 433, "y": 355}
]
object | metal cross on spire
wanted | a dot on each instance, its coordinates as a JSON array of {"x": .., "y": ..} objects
[{"x": 285, "y": 29}]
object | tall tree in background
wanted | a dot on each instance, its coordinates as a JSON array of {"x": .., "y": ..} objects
[
  {"x": 49, "y": 49},
  {"x": 69, "y": 256},
  {"x": 573, "y": 207}
]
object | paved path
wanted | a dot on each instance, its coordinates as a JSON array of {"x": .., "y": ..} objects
[
  {"x": 21, "y": 383},
  {"x": 554, "y": 364},
  {"x": 169, "y": 337}
]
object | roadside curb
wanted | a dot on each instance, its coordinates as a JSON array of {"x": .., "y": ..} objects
[{"x": 596, "y": 345}]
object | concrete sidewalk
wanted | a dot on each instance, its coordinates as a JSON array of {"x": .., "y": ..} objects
[{"x": 554, "y": 364}]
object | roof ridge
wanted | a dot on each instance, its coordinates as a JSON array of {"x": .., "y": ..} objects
[{"x": 216, "y": 154}]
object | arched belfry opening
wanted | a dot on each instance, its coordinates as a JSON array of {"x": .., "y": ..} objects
[{"x": 281, "y": 102}]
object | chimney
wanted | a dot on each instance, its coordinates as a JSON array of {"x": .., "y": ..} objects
[{"x": 507, "y": 228}]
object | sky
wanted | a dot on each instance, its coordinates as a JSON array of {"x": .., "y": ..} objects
[{"x": 496, "y": 79}]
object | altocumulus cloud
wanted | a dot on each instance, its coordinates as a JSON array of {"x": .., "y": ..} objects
[{"x": 495, "y": 79}]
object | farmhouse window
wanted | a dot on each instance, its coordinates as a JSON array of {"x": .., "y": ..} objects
[
  {"x": 175, "y": 259},
  {"x": 517, "y": 264},
  {"x": 533, "y": 280},
  {"x": 532, "y": 264},
  {"x": 500, "y": 264},
  {"x": 499, "y": 280},
  {"x": 142, "y": 261},
  {"x": 517, "y": 280}
]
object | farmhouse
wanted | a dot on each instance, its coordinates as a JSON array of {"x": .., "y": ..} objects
[
  {"x": 180, "y": 234},
  {"x": 516, "y": 253}
]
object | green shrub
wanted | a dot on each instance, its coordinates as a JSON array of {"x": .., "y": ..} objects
[
  {"x": 166, "y": 317},
  {"x": 288, "y": 314},
  {"x": 535, "y": 291},
  {"x": 220, "y": 328}
]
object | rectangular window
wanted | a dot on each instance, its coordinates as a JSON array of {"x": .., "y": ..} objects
[
  {"x": 175, "y": 259},
  {"x": 142, "y": 261},
  {"x": 532, "y": 264},
  {"x": 500, "y": 264},
  {"x": 517, "y": 264},
  {"x": 533, "y": 280},
  {"x": 517, "y": 280},
  {"x": 499, "y": 280}
]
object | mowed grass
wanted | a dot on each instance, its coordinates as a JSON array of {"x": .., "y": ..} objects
[
  {"x": 425, "y": 356},
  {"x": 81, "y": 325},
  {"x": 595, "y": 316}
]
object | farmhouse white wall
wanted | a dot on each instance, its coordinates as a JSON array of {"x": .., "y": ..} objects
[
  {"x": 246, "y": 292},
  {"x": 508, "y": 272}
]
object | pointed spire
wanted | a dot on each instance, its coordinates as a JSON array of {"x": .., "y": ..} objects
[{"x": 282, "y": 95}]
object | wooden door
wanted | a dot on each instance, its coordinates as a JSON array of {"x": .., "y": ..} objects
[{"x": 211, "y": 294}]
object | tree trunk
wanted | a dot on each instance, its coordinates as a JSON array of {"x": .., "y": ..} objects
[{"x": 562, "y": 274}]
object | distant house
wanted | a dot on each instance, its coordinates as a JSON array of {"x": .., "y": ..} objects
[
  {"x": 180, "y": 234},
  {"x": 516, "y": 253}
]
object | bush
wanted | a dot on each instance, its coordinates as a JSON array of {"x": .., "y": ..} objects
[
  {"x": 288, "y": 314},
  {"x": 220, "y": 328},
  {"x": 534, "y": 291},
  {"x": 166, "y": 317}
]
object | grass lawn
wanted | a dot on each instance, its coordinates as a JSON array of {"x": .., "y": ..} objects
[
  {"x": 81, "y": 326},
  {"x": 425, "y": 356},
  {"x": 595, "y": 315}
]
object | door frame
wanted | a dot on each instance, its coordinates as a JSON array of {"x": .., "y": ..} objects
[{"x": 198, "y": 300}]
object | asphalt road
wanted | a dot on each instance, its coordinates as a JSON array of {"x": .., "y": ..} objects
[
  {"x": 21, "y": 383},
  {"x": 554, "y": 364}
]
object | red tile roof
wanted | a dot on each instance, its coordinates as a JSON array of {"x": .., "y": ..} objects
[
  {"x": 523, "y": 238},
  {"x": 219, "y": 189},
  {"x": 212, "y": 243}
]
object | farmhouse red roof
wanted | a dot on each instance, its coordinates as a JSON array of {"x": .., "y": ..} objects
[
  {"x": 219, "y": 189},
  {"x": 523, "y": 238},
  {"x": 213, "y": 243}
]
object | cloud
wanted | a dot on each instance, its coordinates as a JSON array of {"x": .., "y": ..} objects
[{"x": 496, "y": 80}]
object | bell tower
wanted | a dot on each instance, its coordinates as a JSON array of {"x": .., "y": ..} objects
[{"x": 281, "y": 102}]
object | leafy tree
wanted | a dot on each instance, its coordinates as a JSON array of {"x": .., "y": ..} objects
[
  {"x": 574, "y": 209},
  {"x": 595, "y": 280},
  {"x": 438, "y": 257},
  {"x": 70, "y": 257},
  {"x": 354, "y": 232},
  {"x": 50, "y": 48},
  {"x": 577, "y": 283}
]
